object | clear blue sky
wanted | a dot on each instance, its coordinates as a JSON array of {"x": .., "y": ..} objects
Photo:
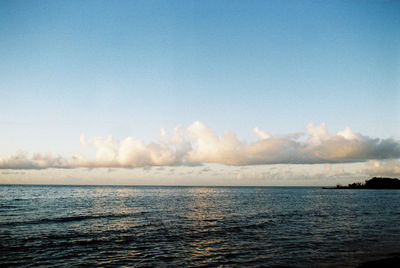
[{"x": 128, "y": 68}]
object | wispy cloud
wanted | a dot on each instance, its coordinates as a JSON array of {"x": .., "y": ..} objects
[{"x": 198, "y": 144}]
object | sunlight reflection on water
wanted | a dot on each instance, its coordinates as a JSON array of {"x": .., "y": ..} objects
[{"x": 190, "y": 226}]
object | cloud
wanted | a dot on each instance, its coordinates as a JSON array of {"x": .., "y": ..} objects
[
  {"x": 389, "y": 168},
  {"x": 261, "y": 134},
  {"x": 317, "y": 147},
  {"x": 198, "y": 145},
  {"x": 21, "y": 160}
]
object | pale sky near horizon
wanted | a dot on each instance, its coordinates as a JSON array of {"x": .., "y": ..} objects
[{"x": 265, "y": 92}]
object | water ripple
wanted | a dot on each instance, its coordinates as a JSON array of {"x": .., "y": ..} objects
[{"x": 196, "y": 226}]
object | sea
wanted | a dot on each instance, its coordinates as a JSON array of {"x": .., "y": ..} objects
[{"x": 162, "y": 226}]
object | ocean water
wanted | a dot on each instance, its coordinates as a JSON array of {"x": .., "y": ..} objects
[{"x": 196, "y": 226}]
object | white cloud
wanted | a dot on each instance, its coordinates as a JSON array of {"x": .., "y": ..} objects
[
  {"x": 261, "y": 134},
  {"x": 21, "y": 160},
  {"x": 198, "y": 144},
  {"x": 390, "y": 168}
]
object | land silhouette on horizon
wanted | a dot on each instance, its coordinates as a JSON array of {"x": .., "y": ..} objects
[{"x": 374, "y": 183}]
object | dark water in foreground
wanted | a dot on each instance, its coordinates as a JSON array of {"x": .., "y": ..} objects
[{"x": 196, "y": 226}]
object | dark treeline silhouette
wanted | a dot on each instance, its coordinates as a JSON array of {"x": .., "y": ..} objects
[
  {"x": 374, "y": 183},
  {"x": 382, "y": 183}
]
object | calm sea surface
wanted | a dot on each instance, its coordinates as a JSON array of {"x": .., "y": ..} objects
[{"x": 196, "y": 226}]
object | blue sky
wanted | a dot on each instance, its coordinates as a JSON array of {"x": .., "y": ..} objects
[{"x": 129, "y": 68}]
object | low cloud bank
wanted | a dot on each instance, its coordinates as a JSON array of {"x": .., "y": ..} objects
[
  {"x": 21, "y": 160},
  {"x": 198, "y": 144},
  {"x": 389, "y": 168}
]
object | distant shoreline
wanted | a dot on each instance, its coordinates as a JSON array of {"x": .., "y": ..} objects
[{"x": 376, "y": 183}]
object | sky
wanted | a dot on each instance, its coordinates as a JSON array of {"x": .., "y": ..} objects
[{"x": 199, "y": 92}]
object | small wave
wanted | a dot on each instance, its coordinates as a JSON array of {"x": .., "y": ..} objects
[
  {"x": 8, "y": 206},
  {"x": 67, "y": 219}
]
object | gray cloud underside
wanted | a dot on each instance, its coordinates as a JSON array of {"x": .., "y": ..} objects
[{"x": 198, "y": 145}]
